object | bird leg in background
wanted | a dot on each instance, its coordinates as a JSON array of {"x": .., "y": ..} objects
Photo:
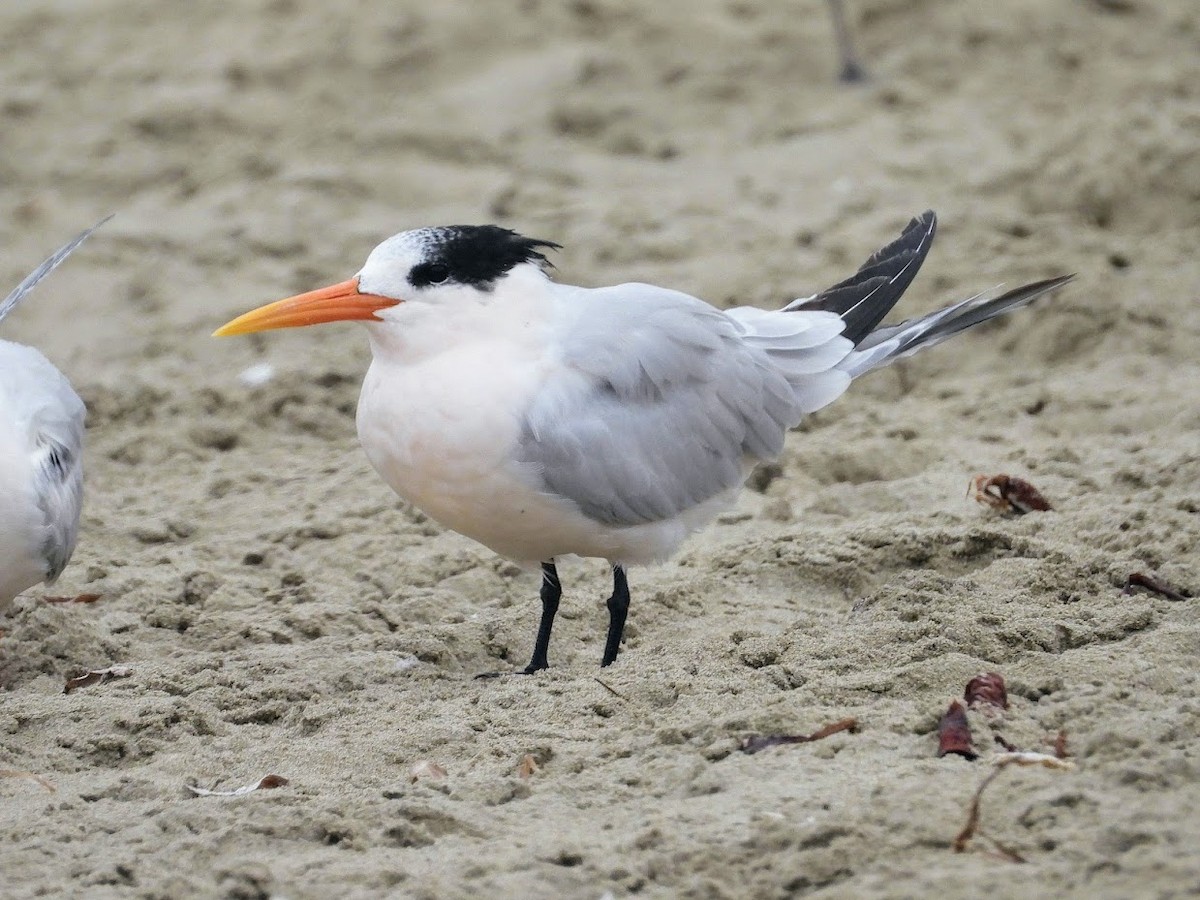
[
  {"x": 618, "y": 609},
  {"x": 551, "y": 594},
  {"x": 852, "y": 69}
]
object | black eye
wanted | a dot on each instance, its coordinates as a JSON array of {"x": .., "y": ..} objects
[{"x": 429, "y": 273}]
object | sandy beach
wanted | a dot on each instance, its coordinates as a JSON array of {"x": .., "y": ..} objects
[{"x": 282, "y": 613}]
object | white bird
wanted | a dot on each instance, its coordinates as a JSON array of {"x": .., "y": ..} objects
[
  {"x": 41, "y": 455},
  {"x": 543, "y": 419}
]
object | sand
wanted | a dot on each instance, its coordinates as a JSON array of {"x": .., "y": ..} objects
[{"x": 283, "y": 613}]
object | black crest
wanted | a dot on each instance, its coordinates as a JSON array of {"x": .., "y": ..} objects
[{"x": 475, "y": 255}]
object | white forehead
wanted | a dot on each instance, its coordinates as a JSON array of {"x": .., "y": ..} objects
[{"x": 401, "y": 251}]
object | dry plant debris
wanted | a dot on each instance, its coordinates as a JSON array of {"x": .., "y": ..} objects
[
  {"x": 425, "y": 768},
  {"x": 1060, "y": 745},
  {"x": 1001, "y": 762},
  {"x": 954, "y": 733},
  {"x": 986, "y": 689},
  {"x": 96, "y": 676},
  {"x": 1007, "y": 494},
  {"x": 32, "y": 776},
  {"x": 78, "y": 598},
  {"x": 763, "y": 741},
  {"x": 1154, "y": 585},
  {"x": 263, "y": 784}
]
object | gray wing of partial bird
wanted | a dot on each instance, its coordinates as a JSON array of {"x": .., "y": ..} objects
[
  {"x": 666, "y": 399},
  {"x": 30, "y": 281},
  {"x": 56, "y": 418},
  {"x": 58, "y": 474}
]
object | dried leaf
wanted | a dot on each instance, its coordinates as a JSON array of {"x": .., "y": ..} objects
[
  {"x": 97, "y": 676},
  {"x": 32, "y": 776},
  {"x": 986, "y": 689},
  {"x": 954, "y": 733},
  {"x": 265, "y": 783}
]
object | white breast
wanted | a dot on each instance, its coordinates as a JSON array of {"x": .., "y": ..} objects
[{"x": 21, "y": 526}]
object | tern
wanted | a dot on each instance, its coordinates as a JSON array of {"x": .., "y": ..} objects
[
  {"x": 545, "y": 420},
  {"x": 41, "y": 455}
]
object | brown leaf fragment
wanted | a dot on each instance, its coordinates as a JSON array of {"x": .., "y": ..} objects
[
  {"x": 1007, "y": 494},
  {"x": 425, "y": 768},
  {"x": 986, "y": 689},
  {"x": 96, "y": 676},
  {"x": 1141, "y": 580},
  {"x": 763, "y": 741},
  {"x": 954, "y": 733},
  {"x": 32, "y": 776},
  {"x": 267, "y": 782},
  {"x": 527, "y": 767},
  {"x": 78, "y": 598}
]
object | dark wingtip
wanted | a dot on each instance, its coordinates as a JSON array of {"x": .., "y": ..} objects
[{"x": 863, "y": 299}]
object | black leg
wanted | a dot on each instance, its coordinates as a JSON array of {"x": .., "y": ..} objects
[
  {"x": 618, "y": 609},
  {"x": 551, "y": 594},
  {"x": 852, "y": 69}
]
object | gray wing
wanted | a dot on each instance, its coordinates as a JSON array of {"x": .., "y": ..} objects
[
  {"x": 30, "y": 281},
  {"x": 664, "y": 401},
  {"x": 58, "y": 481}
]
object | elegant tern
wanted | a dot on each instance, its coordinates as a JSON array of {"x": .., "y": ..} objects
[
  {"x": 41, "y": 455},
  {"x": 544, "y": 420}
]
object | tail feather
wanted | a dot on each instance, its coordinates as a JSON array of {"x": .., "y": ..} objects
[
  {"x": 884, "y": 346},
  {"x": 863, "y": 299}
]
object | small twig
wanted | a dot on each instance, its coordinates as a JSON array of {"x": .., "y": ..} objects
[
  {"x": 32, "y": 776},
  {"x": 78, "y": 598},
  {"x": 1000, "y": 851},
  {"x": 762, "y": 742},
  {"x": 1003, "y": 761},
  {"x": 610, "y": 689},
  {"x": 1007, "y": 745},
  {"x": 969, "y": 829},
  {"x": 1141, "y": 580}
]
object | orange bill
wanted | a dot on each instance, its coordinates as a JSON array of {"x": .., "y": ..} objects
[{"x": 337, "y": 303}]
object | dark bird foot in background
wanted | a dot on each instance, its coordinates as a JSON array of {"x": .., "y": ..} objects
[{"x": 852, "y": 73}]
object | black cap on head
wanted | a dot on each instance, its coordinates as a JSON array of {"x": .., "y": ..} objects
[{"x": 475, "y": 255}]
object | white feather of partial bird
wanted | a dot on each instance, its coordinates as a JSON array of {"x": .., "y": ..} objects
[{"x": 41, "y": 455}]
